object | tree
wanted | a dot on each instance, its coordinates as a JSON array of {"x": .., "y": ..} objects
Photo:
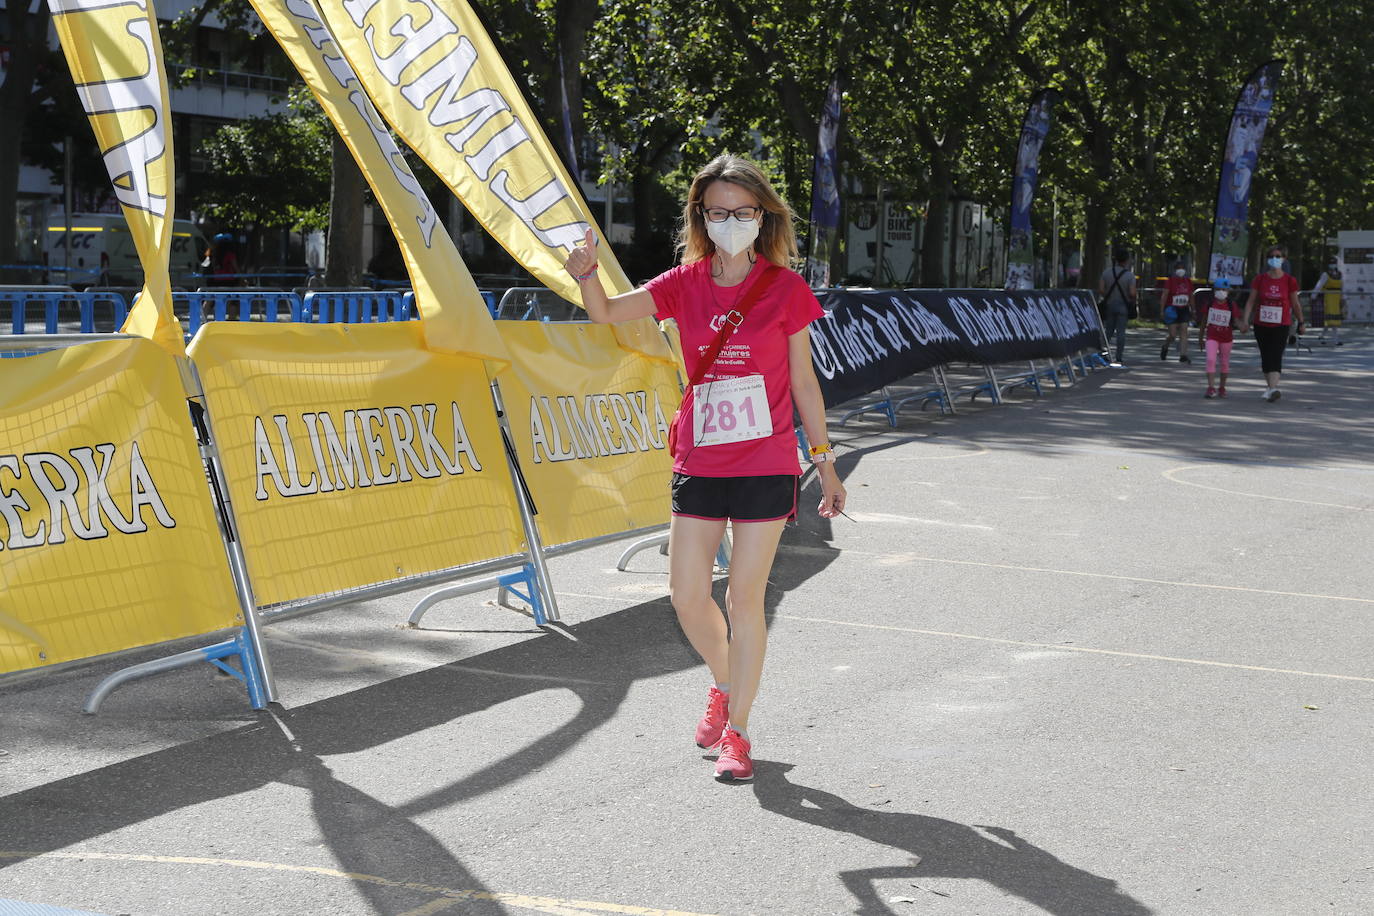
[
  {"x": 271, "y": 171},
  {"x": 29, "y": 57}
]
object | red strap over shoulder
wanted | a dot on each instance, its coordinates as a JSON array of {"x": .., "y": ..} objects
[{"x": 734, "y": 319}]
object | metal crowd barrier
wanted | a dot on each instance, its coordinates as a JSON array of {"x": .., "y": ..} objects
[
  {"x": 253, "y": 670},
  {"x": 53, "y": 303}
]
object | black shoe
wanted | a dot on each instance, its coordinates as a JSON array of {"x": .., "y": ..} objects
[
  {"x": 1164, "y": 352},
  {"x": 1183, "y": 358}
]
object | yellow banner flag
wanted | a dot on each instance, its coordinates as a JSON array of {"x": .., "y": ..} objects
[
  {"x": 436, "y": 76},
  {"x": 115, "y": 55},
  {"x": 455, "y": 317}
]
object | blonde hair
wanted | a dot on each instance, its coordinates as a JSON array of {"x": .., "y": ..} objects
[{"x": 777, "y": 240}]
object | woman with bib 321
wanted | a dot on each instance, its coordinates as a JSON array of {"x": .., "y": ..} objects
[
  {"x": 742, "y": 316},
  {"x": 1275, "y": 292}
]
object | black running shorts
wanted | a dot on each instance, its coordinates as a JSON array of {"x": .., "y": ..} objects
[{"x": 740, "y": 499}]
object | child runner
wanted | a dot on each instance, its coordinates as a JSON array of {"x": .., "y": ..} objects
[
  {"x": 1178, "y": 309},
  {"x": 1222, "y": 316}
]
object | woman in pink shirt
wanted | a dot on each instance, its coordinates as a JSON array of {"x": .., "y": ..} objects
[
  {"x": 1275, "y": 292},
  {"x": 734, "y": 454}
]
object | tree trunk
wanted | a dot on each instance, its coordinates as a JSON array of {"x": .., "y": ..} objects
[
  {"x": 933, "y": 263},
  {"x": 575, "y": 19},
  {"x": 642, "y": 185},
  {"x": 345, "y": 241},
  {"x": 28, "y": 43},
  {"x": 1094, "y": 243}
]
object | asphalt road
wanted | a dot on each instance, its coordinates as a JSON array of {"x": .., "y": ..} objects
[{"x": 1103, "y": 652}]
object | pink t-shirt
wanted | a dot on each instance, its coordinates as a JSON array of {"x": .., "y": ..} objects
[
  {"x": 1221, "y": 317},
  {"x": 757, "y": 347},
  {"x": 1274, "y": 291}
]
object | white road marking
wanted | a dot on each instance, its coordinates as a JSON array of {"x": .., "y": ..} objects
[
  {"x": 1170, "y": 475},
  {"x": 1081, "y": 649},
  {"x": 538, "y": 904}
]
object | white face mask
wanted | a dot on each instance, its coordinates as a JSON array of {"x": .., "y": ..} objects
[
  {"x": 733, "y": 235},
  {"x": 1220, "y": 295},
  {"x": 1180, "y": 272},
  {"x": 1275, "y": 263}
]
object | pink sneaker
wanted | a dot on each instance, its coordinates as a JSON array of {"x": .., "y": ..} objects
[
  {"x": 1221, "y": 392},
  {"x": 734, "y": 762},
  {"x": 713, "y": 720}
]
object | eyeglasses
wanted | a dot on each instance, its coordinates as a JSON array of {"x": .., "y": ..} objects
[{"x": 720, "y": 214}]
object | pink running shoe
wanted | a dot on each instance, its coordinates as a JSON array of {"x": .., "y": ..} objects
[
  {"x": 713, "y": 720},
  {"x": 734, "y": 762}
]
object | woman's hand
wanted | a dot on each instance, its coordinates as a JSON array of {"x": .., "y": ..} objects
[
  {"x": 581, "y": 261},
  {"x": 832, "y": 491}
]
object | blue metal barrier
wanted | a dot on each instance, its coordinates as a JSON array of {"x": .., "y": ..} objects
[
  {"x": 238, "y": 304},
  {"x": 119, "y": 310},
  {"x": 353, "y": 307},
  {"x": 53, "y": 302},
  {"x": 242, "y": 305}
]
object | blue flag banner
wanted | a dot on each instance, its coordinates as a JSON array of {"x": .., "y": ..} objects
[
  {"x": 1025, "y": 179},
  {"x": 1230, "y": 227},
  {"x": 825, "y": 190}
]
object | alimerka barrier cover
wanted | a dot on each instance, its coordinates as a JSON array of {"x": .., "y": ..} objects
[
  {"x": 108, "y": 536},
  {"x": 590, "y": 422},
  {"x": 354, "y": 455}
]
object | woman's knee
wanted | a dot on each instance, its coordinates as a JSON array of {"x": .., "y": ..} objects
[
  {"x": 744, "y": 604},
  {"x": 690, "y": 598}
]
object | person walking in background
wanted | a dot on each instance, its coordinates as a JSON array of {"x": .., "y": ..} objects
[
  {"x": 1116, "y": 286},
  {"x": 1222, "y": 317},
  {"x": 1274, "y": 307},
  {"x": 1329, "y": 289},
  {"x": 1178, "y": 311},
  {"x": 224, "y": 263},
  {"x": 734, "y": 451}
]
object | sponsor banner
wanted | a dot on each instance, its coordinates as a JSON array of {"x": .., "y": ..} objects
[
  {"x": 115, "y": 55},
  {"x": 108, "y": 537},
  {"x": 1025, "y": 179},
  {"x": 825, "y": 189},
  {"x": 1240, "y": 158},
  {"x": 436, "y": 76},
  {"x": 353, "y": 454},
  {"x": 590, "y": 422},
  {"x": 455, "y": 317},
  {"x": 871, "y": 339}
]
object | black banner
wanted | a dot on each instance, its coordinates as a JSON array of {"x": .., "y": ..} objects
[{"x": 873, "y": 338}]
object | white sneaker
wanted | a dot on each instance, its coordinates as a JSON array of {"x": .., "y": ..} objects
[
  {"x": 1274, "y": 394},
  {"x": 1265, "y": 395}
]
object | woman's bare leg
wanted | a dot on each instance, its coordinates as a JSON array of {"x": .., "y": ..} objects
[
  {"x": 692, "y": 547},
  {"x": 754, "y": 544}
]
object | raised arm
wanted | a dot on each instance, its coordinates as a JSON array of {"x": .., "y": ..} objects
[{"x": 601, "y": 308}]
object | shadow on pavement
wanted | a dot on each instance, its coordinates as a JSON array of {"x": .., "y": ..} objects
[
  {"x": 1323, "y": 416},
  {"x": 943, "y": 849}
]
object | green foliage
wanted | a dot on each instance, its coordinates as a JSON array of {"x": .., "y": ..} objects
[{"x": 271, "y": 171}]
